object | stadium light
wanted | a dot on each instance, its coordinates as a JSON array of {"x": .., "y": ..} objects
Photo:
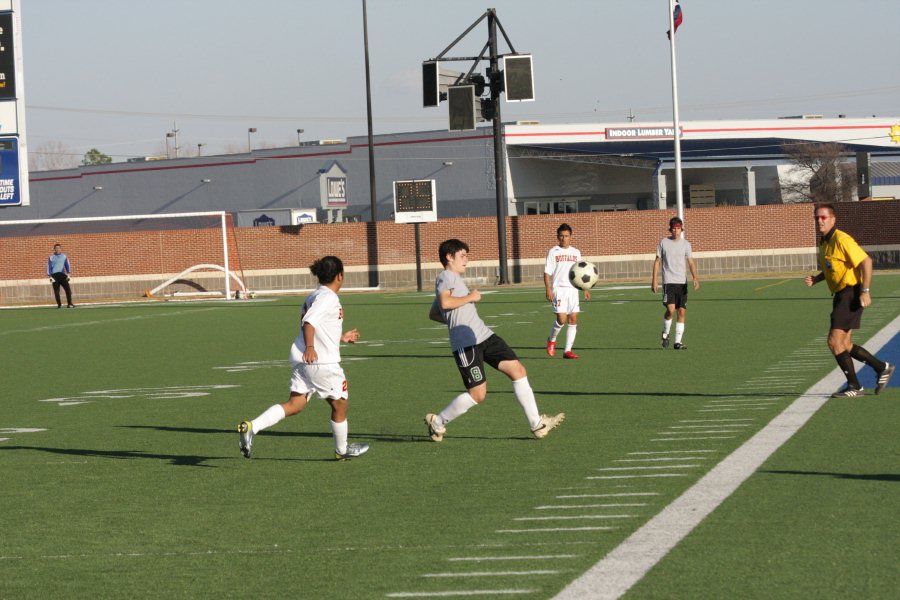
[
  {"x": 200, "y": 149},
  {"x": 249, "y": 131},
  {"x": 299, "y": 131}
]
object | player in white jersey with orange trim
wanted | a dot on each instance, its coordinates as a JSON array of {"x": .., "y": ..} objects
[
  {"x": 560, "y": 291},
  {"x": 316, "y": 363}
]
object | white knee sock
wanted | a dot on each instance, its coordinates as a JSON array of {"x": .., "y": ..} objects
[
  {"x": 339, "y": 431},
  {"x": 525, "y": 396},
  {"x": 679, "y": 332},
  {"x": 555, "y": 331},
  {"x": 667, "y": 326},
  {"x": 271, "y": 416},
  {"x": 457, "y": 407},
  {"x": 571, "y": 332}
]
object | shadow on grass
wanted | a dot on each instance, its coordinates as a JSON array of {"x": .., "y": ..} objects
[
  {"x": 857, "y": 476},
  {"x": 379, "y": 437},
  {"x": 174, "y": 459}
]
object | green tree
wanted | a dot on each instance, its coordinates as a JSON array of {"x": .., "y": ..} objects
[{"x": 95, "y": 157}]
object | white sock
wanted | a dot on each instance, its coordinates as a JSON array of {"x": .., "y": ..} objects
[
  {"x": 457, "y": 407},
  {"x": 271, "y": 416},
  {"x": 339, "y": 431},
  {"x": 571, "y": 332},
  {"x": 679, "y": 331},
  {"x": 667, "y": 325},
  {"x": 555, "y": 331},
  {"x": 525, "y": 396}
]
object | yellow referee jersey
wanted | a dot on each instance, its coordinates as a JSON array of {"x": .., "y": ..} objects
[{"x": 839, "y": 259}]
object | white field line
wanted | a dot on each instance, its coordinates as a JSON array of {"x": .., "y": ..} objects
[
  {"x": 532, "y": 557},
  {"x": 670, "y": 451},
  {"x": 494, "y": 573},
  {"x": 106, "y": 321},
  {"x": 616, "y": 573},
  {"x": 722, "y": 422},
  {"x": 554, "y": 529},
  {"x": 574, "y": 517},
  {"x": 660, "y": 459},
  {"x": 651, "y": 476},
  {"x": 696, "y": 432},
  {"x": 709, "y": 426},
  {"x": 618, "y": 495},
  {"x": 574, "y": 506},
  {"x": 653, "y": 467},
  {"x": 712, "y": 437},
  {"x": 453, "y": 593}
]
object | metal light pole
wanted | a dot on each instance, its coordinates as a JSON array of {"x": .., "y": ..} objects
[
  {"x": 498, "y": 148},
  {"x": 373, "y": 198},
  {"x": 249, "y": 131},
  {"x": 200, "y": 149},
  {"x": 299, "y": 131}
]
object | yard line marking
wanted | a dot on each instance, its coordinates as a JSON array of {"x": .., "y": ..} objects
[
  {"x": 627, "y": 564},
  {"x": 573, "y": 506},
  {"x": 573, "y": 517},
  {"x": 654, "y": 467},
  {"x": 712, "y": 437},
  {"x": 616, "y": 495},
  {"x": 670, "y": 451},
  {"x": 660, "y": 458},
  {"x": 554, "y": 529},
  {"x": 492, "y": 573},
  {"x": 715, "y": 421},
  {"x": 534, "y": 557},
  {"x": 695, "y": 432},
  {"x": 106, "y": 321},
  {"x": 708, "y": 426},
  {"x": 451, "y": 593},
  {"x": 639, "y": 476}
]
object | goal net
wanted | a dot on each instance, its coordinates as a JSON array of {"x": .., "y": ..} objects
[{"x": 122, "y": 257}]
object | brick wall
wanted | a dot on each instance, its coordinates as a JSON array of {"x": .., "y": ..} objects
[{"x": 740, "y": 239}]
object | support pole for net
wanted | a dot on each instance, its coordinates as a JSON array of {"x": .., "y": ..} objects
[{"x": 225, "y": 263}]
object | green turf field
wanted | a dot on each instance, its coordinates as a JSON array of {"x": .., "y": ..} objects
[{"x": 121, "y": 476}]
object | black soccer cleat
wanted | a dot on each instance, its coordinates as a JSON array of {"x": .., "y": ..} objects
[
  {"x": 665, "y": 341},
  {"x": 884, "y": 377},
  {"x": 679, "y": 346}
]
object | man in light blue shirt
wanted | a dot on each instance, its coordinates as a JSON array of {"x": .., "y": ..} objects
[{"x": 58, "y": 270}]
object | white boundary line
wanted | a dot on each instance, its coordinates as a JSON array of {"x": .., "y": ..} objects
[{"x": 627, "y": 564}]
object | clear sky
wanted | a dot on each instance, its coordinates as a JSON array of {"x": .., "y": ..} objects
[{"x": 118, "y": 74}]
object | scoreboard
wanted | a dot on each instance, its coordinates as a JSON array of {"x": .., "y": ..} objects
[{"x": 415, "y": 201}]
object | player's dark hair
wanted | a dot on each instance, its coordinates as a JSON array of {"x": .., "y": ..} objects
[
  {"x": 830, "y": 207},
  {"x": 563, "y": 227},
  {"x": 673, "y": 221},
  {"x": 326, "y": 269},
  {"x": 451, "y": 247}
]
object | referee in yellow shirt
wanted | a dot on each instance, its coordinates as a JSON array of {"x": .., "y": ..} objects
[{"x": 847, "y": 270}]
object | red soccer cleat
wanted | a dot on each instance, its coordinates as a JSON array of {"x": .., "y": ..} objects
[
  {"x": 570, "y": 355},
  {"x": 551, "y": 348}
]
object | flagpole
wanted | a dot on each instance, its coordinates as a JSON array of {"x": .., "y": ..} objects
[{"x": 679, "y": 200}]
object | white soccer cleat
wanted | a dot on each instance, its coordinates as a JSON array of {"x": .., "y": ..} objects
[
  {"x": 546, "y": 424},
  {"x": 435, "y": 432},
  {"x": 353, "y": 450},
  {"x": 246, "y": 431}
]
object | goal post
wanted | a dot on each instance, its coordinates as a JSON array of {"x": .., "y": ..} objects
[{"x": 122, "y": 257}]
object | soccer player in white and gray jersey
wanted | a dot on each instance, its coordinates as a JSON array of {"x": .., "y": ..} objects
[
  {"x": 474, "y": 344},
  {"x": 674, "y": 254}
]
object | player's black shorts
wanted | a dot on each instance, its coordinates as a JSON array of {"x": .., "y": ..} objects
[
  {"x": 846, "y": 309},
  {"x": 675, "y": 293},
  {"x": 470, "y": 360}
]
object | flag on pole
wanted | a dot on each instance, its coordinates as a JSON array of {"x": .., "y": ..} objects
[{"x": 676, "y": 18}]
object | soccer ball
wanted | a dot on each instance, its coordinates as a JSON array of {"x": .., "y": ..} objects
[{"x": 584, "y": 275}]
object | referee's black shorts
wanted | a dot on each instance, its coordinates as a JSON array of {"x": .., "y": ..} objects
[{"x": 846, "y": 309}]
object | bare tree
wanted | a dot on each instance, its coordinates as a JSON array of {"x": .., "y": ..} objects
[
  {"x": 820, "y": 172},
  {"x": 53, "y": 155}
]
